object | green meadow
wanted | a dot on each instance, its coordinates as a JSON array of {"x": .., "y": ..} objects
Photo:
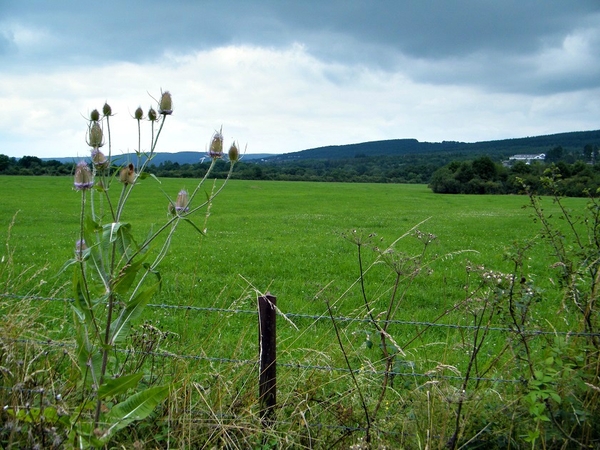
[
  {"x": 294, "y": 240},
  {"x": 287, "y": 238}
]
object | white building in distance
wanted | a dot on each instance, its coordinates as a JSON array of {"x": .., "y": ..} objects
[{"x": 527, "y": 159}]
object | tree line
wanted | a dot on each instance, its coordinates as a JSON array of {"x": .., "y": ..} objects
[
  {"x": 483, "y": 176},
  {"x": 361, "y": 168},
  {"x": 459, "y": 173},
  {"x": 32, "y": 165}
]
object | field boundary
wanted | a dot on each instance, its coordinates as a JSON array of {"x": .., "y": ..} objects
[
  {"x": 47, "y": 346},
  {"x": 326, "y": 368}
]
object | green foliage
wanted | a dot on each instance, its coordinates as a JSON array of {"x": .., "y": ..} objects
[
  {"x": 391, "y": 161},
  {"x": 114, "y": 279},
  {"x": 32, "y": 165},
  {"x": 136, "y": 407},
  {"x": 483, "y": 176},
  {"x": 492, "y": 340}
]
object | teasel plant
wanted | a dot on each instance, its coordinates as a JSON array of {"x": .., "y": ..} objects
[{"x": 114, "y": 277}]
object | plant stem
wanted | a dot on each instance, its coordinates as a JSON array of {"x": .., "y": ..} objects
[{"x": 362, "y": 400}]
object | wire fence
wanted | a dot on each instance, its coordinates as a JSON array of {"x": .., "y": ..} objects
[
  {"x": 292, "y": 316},
  {"x": 326, "y": 318},
  {"x": 48, "y": 346}
]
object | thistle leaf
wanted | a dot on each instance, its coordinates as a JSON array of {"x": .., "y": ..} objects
[
  {"x": 137, "y": 407},
  {"x": 132, "y": 311},
  {"x": 119, "y": 385},
  {"x": 194, "y": 226}
]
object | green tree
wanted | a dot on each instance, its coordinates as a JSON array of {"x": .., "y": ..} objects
[
  {"x": 4, "y": 162},
  {"x": 30, "y": 161},
  {"x": 555, "y": 154},
  {"x": 443, "y": 182},
  {"x": 485, "y": 168}
]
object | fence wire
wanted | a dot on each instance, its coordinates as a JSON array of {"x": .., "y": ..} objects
[
  {"x": 66, "y": 346},
  {"x": 287, "y": 364},
  {"x": 325, "y": 317},
  {"x": 290, "y": 365}
]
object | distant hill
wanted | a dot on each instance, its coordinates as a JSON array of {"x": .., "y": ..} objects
[
  {"x": 400, "y": 147},
  {"x": 389, "y": 161},
  {"x": 572, "y": 141},
  {"x": 179, "y": 157}
]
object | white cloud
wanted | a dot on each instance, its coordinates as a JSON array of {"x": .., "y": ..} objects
[
  {"x": 576, "y": 56},
  {"x": 275, "y": 100}
]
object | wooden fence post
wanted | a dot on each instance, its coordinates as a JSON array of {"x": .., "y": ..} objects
[{"x": 267, "y": 343}]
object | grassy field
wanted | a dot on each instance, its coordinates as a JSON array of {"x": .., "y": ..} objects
[
  {"x": 283, "y": 236},
  {"x": 288, "y": 238}
]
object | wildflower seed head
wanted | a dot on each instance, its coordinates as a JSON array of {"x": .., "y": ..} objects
[
  {"x": 106, "y": 110},
  {"x": 95, "y": 136},
  {"x": 139, "y": 113},
  {"x": 181, "y": 204},
  {"x": 166, "y": 104},
  {"x": 80, "y": 248},
  {"x": 152, "y": 114},
  {"x": 83, "y": 177},
  {"x": 95, "y": 116},
  {"x": 127, "y": 175},
  {"x": 216, "y": 146},
  {"x": 234, "y": 153},
  {"x": 99, "y": 160}
]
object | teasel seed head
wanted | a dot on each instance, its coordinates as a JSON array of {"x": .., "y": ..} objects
[
  {"x": 234, "y": 153},
  {"x": 127, "y": 175},
  {"x": 83, "y": 177},
  {"x": 106, "y": 110},
  {"x": 99, "y": 160},
  {"x": 166, "y": 104},
  {"x": 95, "y": 136},
  {"x": 181, "y": 204},
  {"x": 216, "y": 145},
  {"x": 80, "y": 248}
]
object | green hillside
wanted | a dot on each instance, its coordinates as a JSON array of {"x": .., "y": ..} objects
[
  {"x": 389, "y": 161},
  {"x": 500, "y": 148}
]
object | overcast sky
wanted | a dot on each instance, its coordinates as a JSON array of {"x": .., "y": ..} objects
[{"x": 283, "y": 76}]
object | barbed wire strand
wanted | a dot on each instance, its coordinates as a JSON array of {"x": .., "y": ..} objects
[
  {"x": 326, "y": 318},
  {"x": 291, "y": 365}
]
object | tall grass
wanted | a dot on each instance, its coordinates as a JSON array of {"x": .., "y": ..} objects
[{"x": 288, "y": 238}]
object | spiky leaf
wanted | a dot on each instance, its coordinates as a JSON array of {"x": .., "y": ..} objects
[
  {"x": 119, "y": 385},
  {"x": 132, "y": 311},
  {"x": 137, "y": 407}
]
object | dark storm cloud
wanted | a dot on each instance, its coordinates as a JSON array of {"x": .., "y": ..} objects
[
  {"x": 430, "y": 69},
  {"x": 132, "y": 31},
  {"x": 443, "y": 29},
  {"x": 430, "y": 29},
  {"x": 497, "y": 45}
]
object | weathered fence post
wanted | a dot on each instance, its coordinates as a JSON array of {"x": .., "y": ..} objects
[{"x": 267, "y": 342}]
